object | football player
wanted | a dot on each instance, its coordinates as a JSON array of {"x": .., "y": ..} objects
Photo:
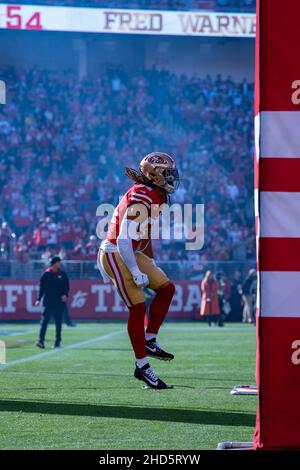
[{"x": 126, "y": 258}]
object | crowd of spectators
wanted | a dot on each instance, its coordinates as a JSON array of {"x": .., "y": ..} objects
[
  {"x": 221, "y": 5},
  {"x": 64, "y": 144}
]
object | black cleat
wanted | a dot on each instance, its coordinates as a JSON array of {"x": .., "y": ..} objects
[
  {"x": 154, "y": 350},
  {"x": 147, "y": 375},
  {"x": 56, "y": 345},
  {"x": 40, "y": 344}
]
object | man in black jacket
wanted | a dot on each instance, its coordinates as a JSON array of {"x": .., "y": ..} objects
[{"x": 54, "y": 289}]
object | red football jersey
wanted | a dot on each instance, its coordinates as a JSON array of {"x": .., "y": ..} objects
[{"x": 137, "y": 194}]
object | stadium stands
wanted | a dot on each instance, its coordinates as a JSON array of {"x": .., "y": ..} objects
[{"x": 64, "y": 144}]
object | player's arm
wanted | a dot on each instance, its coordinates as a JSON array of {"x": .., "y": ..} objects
[
  {"x": 41, "y": 289},
  {"x": 67, "y": 285},
  {"x": 66, "y": 289},
  {"x": 129, "y": 230}
]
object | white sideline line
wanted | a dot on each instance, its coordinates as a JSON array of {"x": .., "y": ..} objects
[
  {"x": 59, "y": 350},
  {"x": 19, "y": 333}
]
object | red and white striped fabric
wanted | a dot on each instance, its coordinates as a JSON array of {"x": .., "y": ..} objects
[
  {"x": 277, "y": 202},
  {"x": 111, "y": 259}
]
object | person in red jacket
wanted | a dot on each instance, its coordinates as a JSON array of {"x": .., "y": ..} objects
[{"x": 209, "y": 302}]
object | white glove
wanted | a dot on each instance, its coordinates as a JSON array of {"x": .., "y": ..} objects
[{"x": 140, "y": 279}]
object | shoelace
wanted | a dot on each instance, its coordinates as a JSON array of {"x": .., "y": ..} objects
[
  {"x": 156, "y": 345},
  {"x": 151, "y": 374}
]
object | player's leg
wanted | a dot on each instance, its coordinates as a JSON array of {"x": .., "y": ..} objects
[
  {"x": 46, "y": 315},
  {"x": 66, "y": 317},
  {"x": 134, "y": 298},
  {"x": 246, "y": 311},
  {"x": 159, "y": 307},
  {"x": 58, "y": 318}
]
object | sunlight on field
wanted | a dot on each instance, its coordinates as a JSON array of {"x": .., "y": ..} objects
[{"x": 87, "y": 389}]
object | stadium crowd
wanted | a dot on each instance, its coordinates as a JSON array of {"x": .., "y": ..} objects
[
  {"x": 64, "y": 145},
  {"x": 221, "y": 5}
]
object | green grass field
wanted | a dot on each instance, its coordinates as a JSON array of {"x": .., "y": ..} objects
[{"x": 85, "y": 397}]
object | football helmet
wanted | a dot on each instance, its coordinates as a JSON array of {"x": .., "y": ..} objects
[{"x": 160, "y": 170}]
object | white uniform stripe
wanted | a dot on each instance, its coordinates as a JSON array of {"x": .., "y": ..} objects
[
  {"x": 279, "y": 214},
  {"x": 143, "y": 196},
  {"x": 279, "y": 134},
  {"x": 279, "y": 294},
  {"x": 118, "y": 279},
  {"x": 141, "y": 201}
]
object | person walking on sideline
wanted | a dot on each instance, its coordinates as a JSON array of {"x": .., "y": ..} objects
[
  {"x": 210, "y": 301},
  {"x": 249, "y": 295},
  {"x": 54, "y": 290}
]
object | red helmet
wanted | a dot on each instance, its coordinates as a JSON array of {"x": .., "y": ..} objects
[{"x": 160, "y": 169}]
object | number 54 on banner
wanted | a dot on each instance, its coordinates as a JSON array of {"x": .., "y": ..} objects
[{"x": 16, "y": 17}]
